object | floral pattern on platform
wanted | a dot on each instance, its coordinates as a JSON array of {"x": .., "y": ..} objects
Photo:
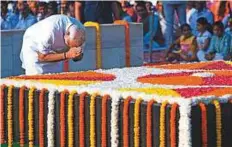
[
  {"x": 200, "y": 79},
  {"x": 178, "y": 87},
  {"x": 190, "y": 78},
  {"x": 159, "y": 91},
  {"x": 77, "y": 78},
  {"x": 172, "y": 80},
  {"x": 218, "y": 65}
]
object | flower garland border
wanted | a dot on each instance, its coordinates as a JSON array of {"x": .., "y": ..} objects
[
  {"x": 184, "y": 128},
  {"x": 92, "y": 120},
  {"x": 149, "y": 123},
  {"x": 218, "y": 122},
  {"x": 66, "y": 65},
  {"x": 62, "y": 118},
  {"x": 204, "y": 124},
  {"x": 162, "y": 123},
  {"x": 126, "y": 121},
  {"x": 104, "y": 121},
  {"x": 230, "y": 100},
  {"x": 41, "y": 117},
  {"x": 184, "y": 119},
  {"x": 21, "y": 116},
  {"x": 173, "y": 125},
  {"x": 30, "y": 117},
  {"x": 2, "y": 129},
  {"x": 82, "y": 119},
  {"x": 50, "y": 120},
  {"x": 114, "y": 119},
  {"x": 70, "y": 119},
  {"x": 9, "y": 115},
  {"x": 136, "y": 122}
]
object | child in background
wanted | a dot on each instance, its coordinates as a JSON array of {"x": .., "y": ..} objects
[
  {"x": 203, "y": 38},
  {"x": 187, "y": 47},
  {"x": 229, "y": 32},
  {"x": 220, "y": 43}
]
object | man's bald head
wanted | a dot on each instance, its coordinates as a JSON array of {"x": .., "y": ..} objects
[{"x": 75, "y": 35}]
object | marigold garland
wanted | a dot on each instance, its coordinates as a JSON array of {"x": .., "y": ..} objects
[
  {"x": 203, "y": 124},
  {"x": 228, "y": 62},
  {"x": 127, "y": 39},
  {"x": 230, "y": 100},
  {"x": 173, "y": 125},
  {"x": 41, "y": 117},
  {"x": 104, "y": 121},
  {"x": 218, "y": 123},
  {"x": 9, "y": 116},
  {"x": 98, "y": 42},
  {"x": 81, "y": 76},
  {"x": 21, "y": 116},
  {"x": 162, "y": 124},
  {"x": 70, "y": 119},
  {"x": 136, "y": 122},
  {"x": 66, "y": 65},
  {"x": 2, "y": 131},
  {"x": 82, "y": 119},
  {"x": 62, "y": 118},
  {"x": 149, "y": 123},
  {"x": 30, "y": 117},
  {"x": 126, "y": 121},
  {"x": 92, "y": 120}
]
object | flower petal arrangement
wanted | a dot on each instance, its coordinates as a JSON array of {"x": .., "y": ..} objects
[
  {"x": 80, "y": 78},
  {"x": 154, "y": 105}
]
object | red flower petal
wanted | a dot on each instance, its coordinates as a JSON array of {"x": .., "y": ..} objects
[
  {"x": 218, "y": 80},
  {"x": 220, "y": 65},
  {"x": 190, "y": 92}
]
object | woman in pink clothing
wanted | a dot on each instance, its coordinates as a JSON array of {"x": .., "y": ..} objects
[{"x": 184, "y": 48}]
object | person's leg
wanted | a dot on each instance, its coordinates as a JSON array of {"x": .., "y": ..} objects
[
  {"x": 28, "y": 56},
  {"x": 181, "y": 12},
  {"x": 30, "y": 65},
  {"x": 169, "y": 18},
  {"x": 173, "y": 57},
  {"x": 218, "y": 56},
  {"x": 201, "y": 55}
]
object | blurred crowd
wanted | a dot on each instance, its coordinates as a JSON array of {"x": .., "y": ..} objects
[{"x": 190, "y": 30}]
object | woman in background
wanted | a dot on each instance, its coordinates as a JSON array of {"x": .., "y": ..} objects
[{"x": 184, "y": 48}]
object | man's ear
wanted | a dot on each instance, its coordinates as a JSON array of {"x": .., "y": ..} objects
[
  {"x": 66, "y": 39},
  {"x": 65, "y": 36}
]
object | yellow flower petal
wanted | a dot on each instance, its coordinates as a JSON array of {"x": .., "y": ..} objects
[{"x": 158, "y": 91}]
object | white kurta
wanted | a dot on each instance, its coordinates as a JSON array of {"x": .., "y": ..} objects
[{"x": 46, "y": 36}]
